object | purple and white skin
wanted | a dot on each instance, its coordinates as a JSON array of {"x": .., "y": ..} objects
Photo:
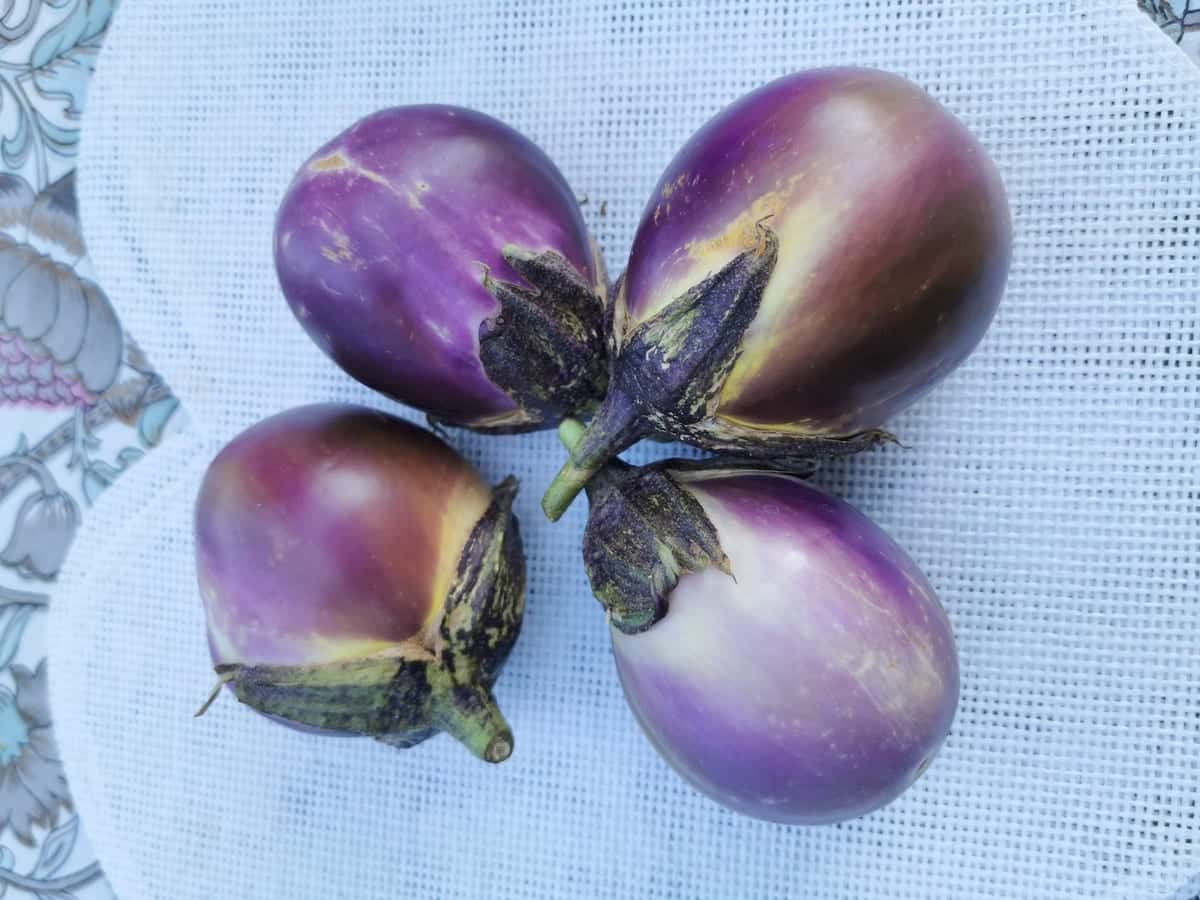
[
  {"x": 440, "y": 258},
  {"x": 814, "y": 688},
  {"x": 360, "y": 578},
  {"x": 817, "y": 257}
]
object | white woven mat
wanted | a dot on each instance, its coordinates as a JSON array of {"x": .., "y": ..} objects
[{"x": 1051, "y": 492}]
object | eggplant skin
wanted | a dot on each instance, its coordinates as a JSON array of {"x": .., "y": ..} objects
[
  {"x": 894, "y": 240},
  {"x": 815, "y": 684},
  {"x": 328, "y": 532},
  {"x": 392, "y": 238}
]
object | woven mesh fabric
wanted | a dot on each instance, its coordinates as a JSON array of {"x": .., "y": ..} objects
[{"x": 1050, "y": 491}]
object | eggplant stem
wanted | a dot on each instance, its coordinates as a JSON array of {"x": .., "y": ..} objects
[
  {"x": 468, "y": 712},
  {"x": 570, "y": 432},
  {"x": 616, "y": 427},
  {"x": 570, "y": 480}
]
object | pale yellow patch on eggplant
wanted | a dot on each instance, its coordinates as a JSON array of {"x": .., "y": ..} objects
[
  {"x": 340, "y": 251},
  {"x": 807, "y": 231},
  {"x": 331, "y": 163},
  {"x": 513, "y": 418},
  {"x": 707, "y": 254},
  {"x": 323, "y": 649},
  {"x": 466, "y": 501},
  {"x": 818, "y": 231}
]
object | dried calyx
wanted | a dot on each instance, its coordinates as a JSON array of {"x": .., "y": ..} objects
[{"x": 645, "y": 529}]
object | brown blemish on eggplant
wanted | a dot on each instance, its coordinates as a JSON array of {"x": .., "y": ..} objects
[{"x": 331, "y": 163}]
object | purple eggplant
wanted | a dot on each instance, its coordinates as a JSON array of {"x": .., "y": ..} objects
[
  {"x": 440, "y": 258},
  {"x": 360, "y": 578},
  {"x": 779, "y": 650},
  {"x": 818, "y": 256}
]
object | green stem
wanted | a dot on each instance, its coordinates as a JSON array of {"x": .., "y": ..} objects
[
  {"x": 468, "y": 712},
  {"x": 616, "y": 427},
  {"x": 570, "y": 480},
  {"x": 570, "y": 432}
]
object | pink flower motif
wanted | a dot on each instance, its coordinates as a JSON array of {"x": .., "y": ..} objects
[{"x": 60, "y": 341}]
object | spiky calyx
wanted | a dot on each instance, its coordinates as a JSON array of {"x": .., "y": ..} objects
[
  {"x": 545, "y": 347},
  {"x": 644, "y": 530},
  {"x": 669, "y": 370}
]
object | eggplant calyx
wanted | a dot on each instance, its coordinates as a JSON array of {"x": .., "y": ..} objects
[
  {"x": 486, "y": 603},
  {"x": 670, "y": 369},
  {"x": 787, "y": 448},
  {"x": 372, "y": 695},
  {"x": 545, "y": 346},
  {"x": 480, "y": 625},
  {"x": 617, "y": 426},
  {"x": 644, "y": 530},
  {"x": 398, "y": 701}
]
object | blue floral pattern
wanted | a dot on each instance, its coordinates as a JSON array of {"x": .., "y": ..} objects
[
  {"x": 79, "y": 403},
  {"x": 1180, "y": 19}
]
